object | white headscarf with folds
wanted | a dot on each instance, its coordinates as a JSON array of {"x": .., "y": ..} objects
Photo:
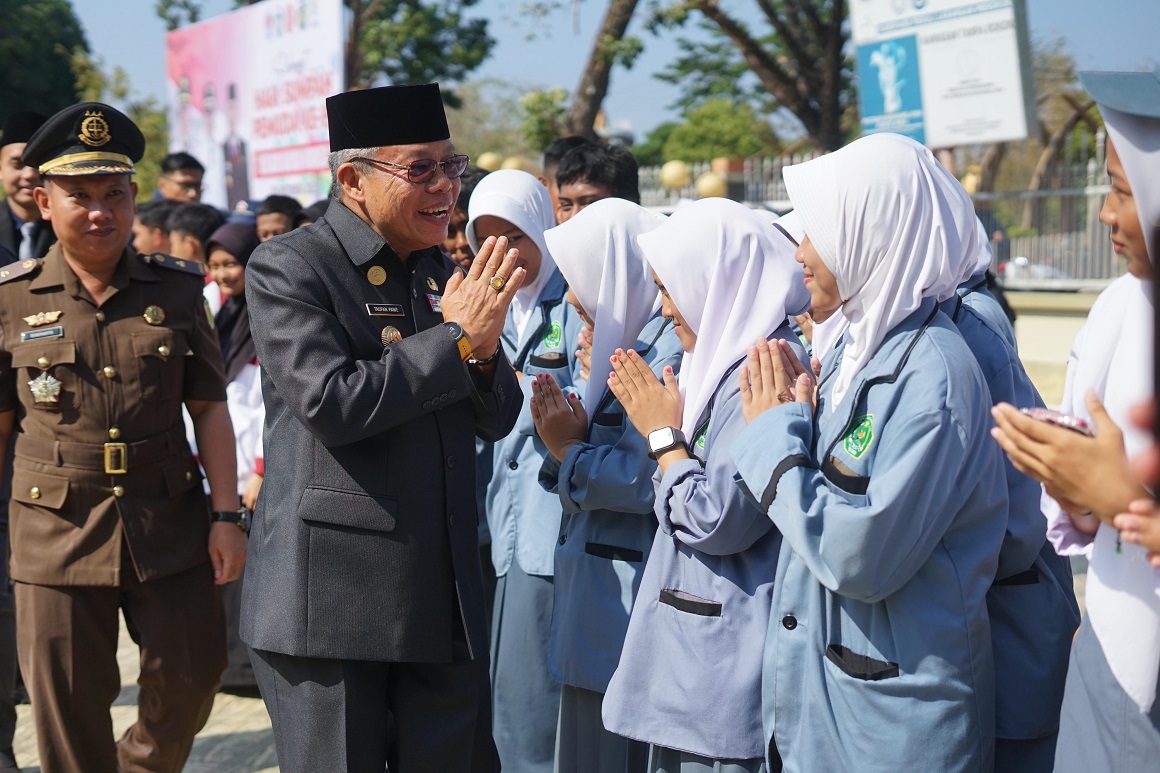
[
  {"x": 596, "y": 252},
  {"x": 733, "y": 278},
  {"x": 881, "y": 215},
  {"x": 523, "y": 201}
]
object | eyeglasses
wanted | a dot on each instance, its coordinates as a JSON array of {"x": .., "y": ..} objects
[{"x": 424, "y": 169}]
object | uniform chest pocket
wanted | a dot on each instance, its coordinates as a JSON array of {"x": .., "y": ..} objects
[
  {"x": 160, "y": 360},
  {"x": 49, "y": 371},
  {"x": 841, "y": 475}
]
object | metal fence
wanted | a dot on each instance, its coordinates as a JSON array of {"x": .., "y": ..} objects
[{"x": 1049, "y": 238}]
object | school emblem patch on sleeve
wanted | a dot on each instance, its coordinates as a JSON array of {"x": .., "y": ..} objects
[
  {"x": 555, "y": 335},
  {"x": 860, "y": 436}
]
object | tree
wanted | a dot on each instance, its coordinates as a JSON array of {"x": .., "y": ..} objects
[
  {"x": 489, "y": 118},
  {"x": 93, "y": 84},
  {"x": 37, "y": 42},
  {"x": 611, "y": 47},
  {"x": 396, "y": 41},
  {"x": 543, "y": 117},
  {"x": 651, "y": 152},
  {"x": 717, "y": 128},
  {"x": 798, "y": 60}
]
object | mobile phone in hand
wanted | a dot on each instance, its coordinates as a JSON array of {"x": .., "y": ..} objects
[{"x": 1073, "y": 423}]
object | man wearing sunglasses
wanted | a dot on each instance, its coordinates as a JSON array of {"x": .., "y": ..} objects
[{"x": 381, "y": 363}]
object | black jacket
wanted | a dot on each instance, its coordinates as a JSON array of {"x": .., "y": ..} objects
[
  {"x": 10, "y": 236},
  {"x": 364, "y": 545}
]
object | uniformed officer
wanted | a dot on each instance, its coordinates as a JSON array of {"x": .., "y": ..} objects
[{"x": 99, "y": 349}]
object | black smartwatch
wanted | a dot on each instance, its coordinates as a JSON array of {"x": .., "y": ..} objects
[
  {"x": 239, "y": 518},
  {"x": 460, "y": 340},
  {"x": 663, "y": 440}
]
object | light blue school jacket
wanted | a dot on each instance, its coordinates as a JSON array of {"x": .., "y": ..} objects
[
  {"x": 689, "y": 677},
  {"x": 1032, "y": 605},
  {"x": 606, "y": 489},
  {"x": 975, "y": 294},
  {"x": 524, "y": 520},
  {"x": 892, "y": 510}
]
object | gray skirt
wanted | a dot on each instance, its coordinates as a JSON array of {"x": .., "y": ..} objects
[
  {"x": 582, "y": 743},
  {"x": 1101, "y": 728},
  {"x": 662, "y": 760}
]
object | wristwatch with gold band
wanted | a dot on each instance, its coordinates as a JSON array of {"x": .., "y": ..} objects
[{"x": 460, "y": 340}]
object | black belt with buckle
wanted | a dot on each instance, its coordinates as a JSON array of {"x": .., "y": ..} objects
[{"x": 112, "y": 458}]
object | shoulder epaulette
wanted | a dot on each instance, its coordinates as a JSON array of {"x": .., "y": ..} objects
[
  {"x": 177, "y": 264},
  {"x": 14, "y": 270}
]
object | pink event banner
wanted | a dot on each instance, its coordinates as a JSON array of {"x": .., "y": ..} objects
[{"x": 247, "y": 94}]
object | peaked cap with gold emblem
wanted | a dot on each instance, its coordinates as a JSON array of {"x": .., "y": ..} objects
[{"x": 89, "y": 138}]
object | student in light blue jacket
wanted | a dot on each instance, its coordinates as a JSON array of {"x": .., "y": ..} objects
[
  {"x": 599, "y": 467},
  {"x": 688, "y": 681},
  {"x": 891, "y": 507},
  {"x": 524, "y": 520}
]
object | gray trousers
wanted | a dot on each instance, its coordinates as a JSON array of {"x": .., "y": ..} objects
[
  {"x": 363, "y": 716},
  {"x": 526, "y": 699},
  {"x": 662, "y": 760},
  {"x": 582, "y": 743}
]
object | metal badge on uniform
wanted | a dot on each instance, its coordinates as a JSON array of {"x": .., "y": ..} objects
[
  {"x": 376, "y": 275},
  {"x": 386, "y": 310},
  {"x": 390, "y": 335},
  {"x": 432, "y": 284},
  {"x": 36, "y": 335},
  {"x": 435, "y": 301},
  {"x": 43, "y": 318},
  {"x": 45, "y": 388},
  {"x": 154, "y": 314}
]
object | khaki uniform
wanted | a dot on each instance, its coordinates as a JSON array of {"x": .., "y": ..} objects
[{"x": 108, "y": 511}]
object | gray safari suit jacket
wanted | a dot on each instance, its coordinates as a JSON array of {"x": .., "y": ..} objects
[{"x": 364, "y": 544}]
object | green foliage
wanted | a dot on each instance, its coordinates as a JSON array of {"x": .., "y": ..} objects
[
  {"x": 403, "y": 41},
  {"x": 651, "y": 151},
  {"x": 718, "y": 128},
  {"x": 488, "y": 119},
  {"x": 96, "y": 85},
  {"x": 544, "y": 117},
  {"x": 178, "y": 13},
  {"x": 37, "y": 39},
  {"x": 713, "y": 70}
]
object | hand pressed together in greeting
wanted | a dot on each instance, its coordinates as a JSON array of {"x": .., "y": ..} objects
[
  {"x": 584, "y": 353},
  {"x": 472, "y": 302},
  {"x": 772, "y": 376},
  {"x": 561, "y": 421},
  {"x": 1083, "y": 474},
  {"x": 649, "y": 403}
]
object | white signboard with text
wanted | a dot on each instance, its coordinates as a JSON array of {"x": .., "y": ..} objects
[{"x": 945, "y": 72}]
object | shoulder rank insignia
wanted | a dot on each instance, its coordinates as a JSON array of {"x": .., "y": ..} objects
[
  {"x": 14, "y": 270},
  {"x": 42, "y": 318},
  {"x": 177, "y": 264}
]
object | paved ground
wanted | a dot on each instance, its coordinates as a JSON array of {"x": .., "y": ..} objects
[{"x": 236, "y": 739}]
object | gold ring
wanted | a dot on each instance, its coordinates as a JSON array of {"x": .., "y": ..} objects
[{"x": 497, "y": 283}]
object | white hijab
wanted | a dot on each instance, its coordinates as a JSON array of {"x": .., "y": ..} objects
[
  {"x": 523, "y": 201},
  {"x": 596, "y": 252},
  {"x": 733, "y": 278},
  {"x": 880, "y": 216},
  {"x": 1123, "y": 590}
]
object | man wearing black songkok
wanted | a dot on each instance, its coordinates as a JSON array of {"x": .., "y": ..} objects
[
  {"x": 363, "y": 601},
  {"x": 23, "y": 234}
]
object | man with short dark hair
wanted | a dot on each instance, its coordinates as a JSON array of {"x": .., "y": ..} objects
[
  {"x": 276, "y": 216},
  {"x": 595, "y": 171},
  {"x": 151, "y": 226},
  {"x": 21, "y": 230},
  {"x": 100, "y": 348},
  {"x": 362, "y": 601},
  {"x": 552, "y": 155},
  {"x": 190, "y": 226},
  {"x": 181, "y": 178}
]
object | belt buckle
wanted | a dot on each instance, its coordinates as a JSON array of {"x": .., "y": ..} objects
[{"x": 116, "y": 458}]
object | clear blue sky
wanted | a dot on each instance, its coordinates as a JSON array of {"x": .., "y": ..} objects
[{"x": 1101, "y": 34}]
